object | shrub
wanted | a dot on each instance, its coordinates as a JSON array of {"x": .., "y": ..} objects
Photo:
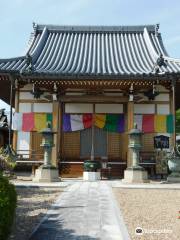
[
  {"x": 7, "y": 161},
  {"x": 8, "y": 201}
]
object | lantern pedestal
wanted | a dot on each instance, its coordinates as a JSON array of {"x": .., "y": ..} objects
[
  {"x": 44, "y": 174},
  {"x": 135, "y": 175}
]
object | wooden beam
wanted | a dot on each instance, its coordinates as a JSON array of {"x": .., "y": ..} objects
[{"x": 93, "y": 98}]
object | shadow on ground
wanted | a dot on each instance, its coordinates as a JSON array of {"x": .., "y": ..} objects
[{"x": 52, "y": 229}]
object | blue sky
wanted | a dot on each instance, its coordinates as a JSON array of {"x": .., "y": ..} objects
[{"x": 16, "y": 17}]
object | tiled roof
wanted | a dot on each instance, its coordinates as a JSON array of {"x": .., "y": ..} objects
[{"x": 94, "y": 51}]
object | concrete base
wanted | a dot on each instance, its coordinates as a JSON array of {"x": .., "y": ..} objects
[
  {"x": 135, "y": 176},
  {"x": 46, "y": 175},
  {"x": 91, "y": 176},
  {"x": 173, "y": 179}
]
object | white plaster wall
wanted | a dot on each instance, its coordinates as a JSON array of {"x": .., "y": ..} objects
[
  {"x": 162, "y": 97},
  {"x": 25, "y": 107},
  {"x": 109, "y": 108},
  {"x": 163, "y": 109},
  {"x": 42, "y": 107},
  {"x": 144, "y": 108},
  {"x": 23, "y": 142},
  {"x": 78, "y": 108},
  {"x": 26, "y": 95},
  {"x": 161, "y": 88}
]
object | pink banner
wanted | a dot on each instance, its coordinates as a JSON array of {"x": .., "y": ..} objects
[{"x": 28, "y": 122}]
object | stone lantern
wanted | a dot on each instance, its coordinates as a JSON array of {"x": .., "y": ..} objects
[
  {"x": 47, "y": 144},
  {"x": 135, "y": 144},
  {"x": 47, "y": 172},
  {"x": 135, "y": 173}
]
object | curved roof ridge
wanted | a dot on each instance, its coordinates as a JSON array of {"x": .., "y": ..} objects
[
  {"x": 95, "y": 28},
  {"x": 149, "y": 43},
  {"x": 11, "y": 59},
  {"x": 39, "y": 46},
  {"x": 177, "y": 60}
]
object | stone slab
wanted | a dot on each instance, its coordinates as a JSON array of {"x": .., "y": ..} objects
[
  {"x": 85, "y": 211},
  {"x": 173, "y": 179}
]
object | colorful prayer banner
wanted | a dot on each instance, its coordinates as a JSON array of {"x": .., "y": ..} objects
[
  {"x": 76, "y": 122},
  {"x": 17, "y": 121},
  {"x": 114, "y": 123},
  {"x": 49, "y": 118},
  {"x": 40, "y": 121},
  {"x": 100, "y": 120},
  {"x": 66, "y": 123},
  {"x": 170, "y": 123},
  {"x": 108, "y": 122},
  {"x": 87, "y": 120},
  {"x": 28, "y": 122},
  {"x": 148, "y": 123},
  {"x": 121, "y": 123},
  {"x": 160, "y": 123}
]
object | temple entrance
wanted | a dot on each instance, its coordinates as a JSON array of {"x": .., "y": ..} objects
[{"x": 100, "y": 143}]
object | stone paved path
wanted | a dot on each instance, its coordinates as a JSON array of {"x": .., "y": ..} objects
[{"x": 85, "y": 211}]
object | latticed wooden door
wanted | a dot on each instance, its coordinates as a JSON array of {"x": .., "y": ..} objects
[
  {"x": 36, "y": 149},
  {"x": 100, "y": 142}
]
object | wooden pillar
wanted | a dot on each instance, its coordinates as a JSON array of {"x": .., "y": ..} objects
[
  {"x": 130, "y": 125},
  {"x": 55, "y": 126},
  {"x": 15, "y": 133},
  {"x": 173, "y": 111}
]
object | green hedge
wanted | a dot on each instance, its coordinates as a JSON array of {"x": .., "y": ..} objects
[{"x": 8, "y": 201}]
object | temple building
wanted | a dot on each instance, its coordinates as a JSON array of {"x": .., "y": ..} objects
[{"x": 109, "y": 77}]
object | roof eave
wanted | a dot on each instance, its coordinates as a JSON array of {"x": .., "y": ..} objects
[{"x": 56, "y": 76}]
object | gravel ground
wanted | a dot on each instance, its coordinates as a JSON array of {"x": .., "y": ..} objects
[
  {"x": 32, "y": 205},
  {"x": 157, "y": 212}
]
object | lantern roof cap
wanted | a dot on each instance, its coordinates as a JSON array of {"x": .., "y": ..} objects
[{"x": 135, "y": 131}]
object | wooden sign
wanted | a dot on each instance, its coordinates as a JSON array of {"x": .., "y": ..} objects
[{"x": 161, "y": 142}]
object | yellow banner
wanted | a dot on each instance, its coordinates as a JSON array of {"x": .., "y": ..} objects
[
  {"x": 160, "y": 123},
  {"x": 40, "y": 121},
  {"x": 100, "y": 120}
]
